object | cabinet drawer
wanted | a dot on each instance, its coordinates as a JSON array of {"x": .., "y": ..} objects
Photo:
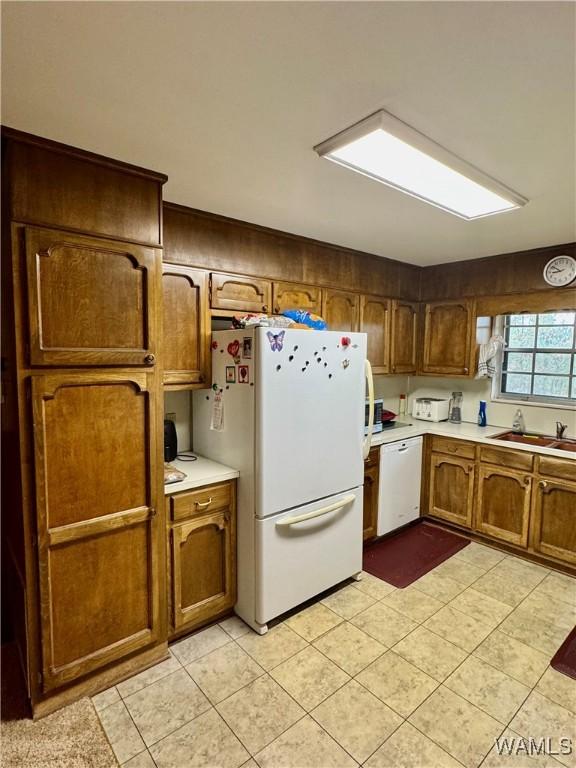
[
  {"x": 201, "y": 501},
  {"x": 506, "y": 458},
  {"x": 565, "y": 470},
  {"x": 373, "y": 458},
  {"x": 454, "y": 447}
]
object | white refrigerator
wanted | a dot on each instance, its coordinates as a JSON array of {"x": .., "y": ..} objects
[{"x": 287, "y": 410}]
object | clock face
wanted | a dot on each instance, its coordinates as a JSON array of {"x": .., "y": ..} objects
[{"x": 560, "y": 270}]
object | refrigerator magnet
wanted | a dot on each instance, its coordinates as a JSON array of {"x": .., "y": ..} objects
[
  {"x": 234, "y": 350},
  {"x": 217, "y": 417},
  {"x": 243, "y": 374},
  {"x": 247, "y": 348},
  {"x": 230, "y": 374}
]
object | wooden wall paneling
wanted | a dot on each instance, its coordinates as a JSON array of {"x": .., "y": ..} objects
[
  {"x": 539, "y": 301},
  {"x": 186, "y": 337},
  {"x": 375, "y": 322},
  {"x": 56, "y": 185}
]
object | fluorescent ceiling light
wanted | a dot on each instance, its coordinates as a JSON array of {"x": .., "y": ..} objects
[{"x": 386, "y": 149}]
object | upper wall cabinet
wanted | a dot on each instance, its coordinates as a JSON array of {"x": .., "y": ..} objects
[
  {"x": 341, "y": 310},
  {"x": 375, "y": 322},
  {"x": 403, "y": 337},
  {"x": 91, "y": 301},
  {"x": 186, "y": 347},
  {"x": 448, "y": 333},
  {"x": 294, "y": 296},
  {"x": 239, "y": 293}
]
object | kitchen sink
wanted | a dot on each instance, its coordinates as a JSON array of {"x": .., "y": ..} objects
[{"x": 546, "y": 441}]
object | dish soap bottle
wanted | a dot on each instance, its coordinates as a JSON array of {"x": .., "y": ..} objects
[
  {"x": 518, "y": 424},
  {"x": 482, "y": 414}
]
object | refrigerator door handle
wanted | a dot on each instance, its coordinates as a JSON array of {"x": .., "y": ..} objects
[
  {"x": 370, "y": 383},
  {"x": 317, "y": 512}
]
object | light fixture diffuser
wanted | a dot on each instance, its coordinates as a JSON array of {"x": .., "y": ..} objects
[{"x": 386, "y": 149}]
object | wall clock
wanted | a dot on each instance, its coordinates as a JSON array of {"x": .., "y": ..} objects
[{"x": 560, "y": 271}]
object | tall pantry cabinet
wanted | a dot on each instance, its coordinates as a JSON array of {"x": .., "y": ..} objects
[{"x": 83, "y": 513}]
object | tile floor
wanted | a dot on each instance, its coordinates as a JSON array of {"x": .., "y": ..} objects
[{"x": 424, "y": 677}]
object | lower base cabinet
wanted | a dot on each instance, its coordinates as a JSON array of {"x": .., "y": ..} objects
[
  {"x": 451, "y": 489},
  {"x": 503, "y": 504},
  {"x": 203, "y": 555},
  {"x": 371, "y": 483},
  {"x": 554, "y": 520}
]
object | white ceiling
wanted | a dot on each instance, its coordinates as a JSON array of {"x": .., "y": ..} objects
[{"x": 228, "y": 99}]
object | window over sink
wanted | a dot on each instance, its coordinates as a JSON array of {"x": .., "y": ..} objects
[{"x": 539, "y": 360}]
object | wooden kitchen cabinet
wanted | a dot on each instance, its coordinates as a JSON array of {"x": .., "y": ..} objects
[
  {"x": 99, "y": 537},
  {"x": 240, "y": 293},
  {"x": 371, "y": 492},
  {"x": 341, "y": 310},
  {"x": 451, "y": 489},
  {"x": 447, "y": 338},
  {"x": 203, "y": 554},
  {"x": 403, "y": 337},
  {"x": 553, "y": 529},
  {"x": 295, "y": 296},
  {"x": 90, "y": 301},
  {"x": 503, "y": 504},
  {"x": 375, "y": 322},
  {"x": 186, "y": 327}
]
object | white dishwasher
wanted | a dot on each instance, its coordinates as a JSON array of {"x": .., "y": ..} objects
[{"x": 399, "y": 485}]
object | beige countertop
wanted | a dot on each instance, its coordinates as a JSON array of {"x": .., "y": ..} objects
[
  {"x": 464, "y": 431},
  {"x": 200, "y": 472}
]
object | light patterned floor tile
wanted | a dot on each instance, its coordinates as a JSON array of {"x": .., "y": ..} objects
[
  {"x": 121, "y": 731},
  {"x": 559, "y": 688},
  {"x": 250, "y": 764},
  {"x": 105, "y": 698},
  {"x": 384, "y": 624},
  {"x": 309, "y": 677},
  {"x": 165, "y": 705},
  {"x": 271, "y": 649},
  {"x": 507, "y": 588},
  {"x": 373, "y": 586},
  {"x": 148, "y": 676},
  {"x": 143, "y": 760},
  {"x": 430, "y": 653},
  {"x": 349, "y": 647},
  {"x": 537, "y": 572},
  {"x": 414, "y": 603},
  {"x": 313, "y": 621},
  {"x": 398, "y": 683},
  {"x": 259, "y": 713},
  {"x": 304, "y": 745},
  {"x": 488, "y": 688},
  {"x": 560, "y": 586},
  {"x": 459, "y": 571},
  {"x": 205, "y": 742},
  {"x": 512, "y": 751},
  {"x": 539, "y": 717},
  {"x": 348, "y": 601},
  {"x": 224, "y": 671},
  {"x": 480, "y": 556},
  {"x": 458, "y": 628},
  {"x": 516, "y": 659},
  {"x": 481, "y": 607},
  {"x": 551, "y": 610},
  {"x": 408, "y": 748},
  {"x": 235, "y": 627},
  {"x": 441, "y": 587},
  {"x": 530, "y": 629},
  {"x": 357, "y": 720},
  {"x": 457, "y": 726},
  {"x": 199, "y": 644}
]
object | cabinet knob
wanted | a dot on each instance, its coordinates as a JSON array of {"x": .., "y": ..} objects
[
  {"x": 265, "y": 308},
  {"x": 150, "y": 359},
  {"x": 394, "y": 369},
  {"x": 276, "y": 310},
  {"x": 152, "y": 512},
  {"x": 465, "y": 370},
  {"x": 543, "y": 484},
  {"x": 527, "y": 480}
]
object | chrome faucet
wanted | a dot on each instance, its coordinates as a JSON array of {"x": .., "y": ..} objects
[{"x": 560, "y": 429}]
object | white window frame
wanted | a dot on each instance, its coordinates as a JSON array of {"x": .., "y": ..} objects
[{"x": 540, "y": 401}]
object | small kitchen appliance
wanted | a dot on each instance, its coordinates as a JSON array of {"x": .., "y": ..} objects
[
  {"x": 382, "y": 417},
  {"x": 430, "y": 408},
  {"x": 170, "y": 440},
  {"x": 455, "y": 410}
]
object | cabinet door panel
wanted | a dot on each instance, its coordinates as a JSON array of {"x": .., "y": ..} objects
[
  {"x": 235, "y": 292},
  {"x": 203, "y": 568},
  {"x": 370, "y": 509},
  {"x": 341, "y": 310},
  {"x": 375, "y": 322},
  {"x": 91, "y": 301},
  {"x": 451, "y": 489},
  {"x": 554, "y": 523},
  {"x": 96, "y": 464},
  {"x": 292, "y": 296},
  {"x": 503, "y": 504},
  {"x": 403, "y": 337},
  {"x": 186, "y": 348},
  {"x": 447, "y": 338}
]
